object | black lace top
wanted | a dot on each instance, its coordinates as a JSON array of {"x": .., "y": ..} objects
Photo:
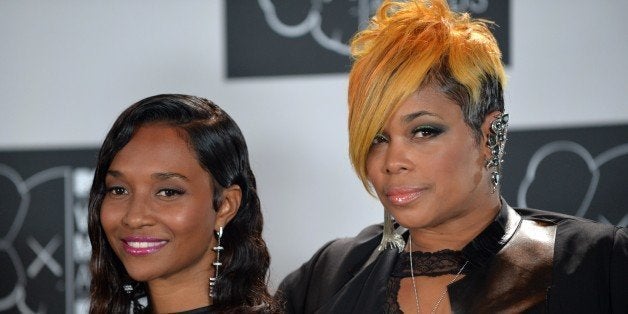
[
  {"x": 424, "y": 264},
  {"x": 478, "y": 253}
]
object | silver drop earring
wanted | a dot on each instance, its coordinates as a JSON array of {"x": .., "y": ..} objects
[
  {"x": 497, "y": 142},
  {"x": 212, "y": 280},
  {"x": 390, "y": 238}
]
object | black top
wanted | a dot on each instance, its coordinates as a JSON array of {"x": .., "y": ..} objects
[
  {"x": 430, "y": 264},
  {"x": 525, "y": 261},
  {"x": 200, "y": 310}
]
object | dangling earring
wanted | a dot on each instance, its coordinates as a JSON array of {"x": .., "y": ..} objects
[
  {"x": 390, "y": 239},
  {"x": 132, "y": 290},
  {"x": 217, "y": 264},
  {"x": 128, "y": 289},
  {"x": 496, "y": 142}
]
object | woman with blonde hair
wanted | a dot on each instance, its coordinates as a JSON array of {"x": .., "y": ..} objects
[{"x": 427, "y": 133}]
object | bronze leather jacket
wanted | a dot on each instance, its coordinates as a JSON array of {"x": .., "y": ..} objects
[{"x": 526, "y": 261}]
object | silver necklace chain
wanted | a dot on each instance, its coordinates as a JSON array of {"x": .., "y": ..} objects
[{"x": 416, "y": 294}]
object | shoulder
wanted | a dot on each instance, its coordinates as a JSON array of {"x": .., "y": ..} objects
[
  {"x": 572, "y": 228},
  {"x": 346, "y": 253},
  {"x": 576, "y": 236},
  {"x": 348, "y": 247},
  {"x": 590, "y": 261},
  {"x": 330, "y": 268},
  {"x": 549, "y": 216}
]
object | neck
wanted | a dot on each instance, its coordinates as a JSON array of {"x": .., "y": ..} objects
[
  {"x": 456, "y": 233},
  {"x": 167, "y": 296}
]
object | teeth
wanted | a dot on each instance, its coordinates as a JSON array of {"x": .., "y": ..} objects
[{"x": 143, "y": 245}]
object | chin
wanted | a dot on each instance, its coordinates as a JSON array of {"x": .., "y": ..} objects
[
  {"x": 137, "y": 276},
  {"x": 139, "y": 273},
  {"x": 414, "y": 224},
  {"x": 412, "y": 220}
]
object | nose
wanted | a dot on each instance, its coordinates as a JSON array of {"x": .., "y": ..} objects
[
  {"x": 397, "y": 158},
  {"x": 138, "y": 213}
]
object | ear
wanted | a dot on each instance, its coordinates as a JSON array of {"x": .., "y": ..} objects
[
  {"x": 486, "y": 130},
  {"x": 231, "y": 199}
]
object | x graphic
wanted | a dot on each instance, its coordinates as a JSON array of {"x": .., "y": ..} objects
[{"x": 44, "y": 257}]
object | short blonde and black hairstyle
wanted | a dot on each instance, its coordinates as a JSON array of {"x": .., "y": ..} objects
[{"x": 409, "y": 44}]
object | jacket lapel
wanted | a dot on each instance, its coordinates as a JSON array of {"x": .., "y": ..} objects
[{"x": 366, "y": 291}]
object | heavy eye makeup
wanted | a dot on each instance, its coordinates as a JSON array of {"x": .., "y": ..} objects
[
  {"x": 421, "y": 132},
  {"x": 426, "y": 131}
]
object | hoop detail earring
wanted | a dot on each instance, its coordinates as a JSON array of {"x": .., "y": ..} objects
[
  {"x": 218, "y": 248},
  {"x": 497, "y": 142}
]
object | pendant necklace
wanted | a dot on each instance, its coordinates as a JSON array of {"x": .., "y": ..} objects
[{"x": 416, "y": 294}]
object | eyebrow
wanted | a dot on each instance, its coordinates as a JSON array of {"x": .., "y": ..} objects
[
  {"x": 169, "y": 175},
  {"x": 158, "y": 176},
  {"x": 409, "y": 117},
  {"x": 114, "y": 173}
]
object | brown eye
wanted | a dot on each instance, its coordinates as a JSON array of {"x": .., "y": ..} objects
[
  {"x": 170, "y": 192},
  {"x": 117, "y": 191},
  {"x": 379, "y": 138},
  {"x": 426, "y": 131}
]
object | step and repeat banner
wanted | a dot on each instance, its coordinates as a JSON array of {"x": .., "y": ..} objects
[
  {"x": 577, "y": 171},
  {"x": 267, "y": 38},
  {"x": 44, "y": 245},
  {"x": 45, "y": 251}
]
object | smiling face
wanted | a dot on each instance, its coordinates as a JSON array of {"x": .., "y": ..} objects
[
  {"x": 158, "y": 214},
  {"x": 426, "y": 166}
]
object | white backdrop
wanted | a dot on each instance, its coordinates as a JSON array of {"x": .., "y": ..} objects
[{"x": 68, "y": 68}]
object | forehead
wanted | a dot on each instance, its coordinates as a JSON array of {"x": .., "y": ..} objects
[
  {"x": 157, "y": 148},
  {"x": 158, "y": 136},
  {"x": 427, "y": 101}
]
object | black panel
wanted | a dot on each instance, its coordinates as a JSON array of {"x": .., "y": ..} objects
[
  {"x": 579, "y": 171},
  {"x": 40, "y": 192},
  {"x": 262, "y": 41}
]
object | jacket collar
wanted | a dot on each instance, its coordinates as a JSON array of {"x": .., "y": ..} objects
[
  {"x": 481, "y": 250},
  {"x": 366, "y": 291}
]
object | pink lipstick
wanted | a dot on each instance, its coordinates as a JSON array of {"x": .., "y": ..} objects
[
  {"x": 142, "y": 245},
  {"x": 403, "y": 195}
]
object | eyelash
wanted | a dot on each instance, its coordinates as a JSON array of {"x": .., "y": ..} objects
[
  {"x": 116, "y": 190},
  {"x": 173, "y": 192},
  {"x": 379, "y": 138},
  {"x": 426, "y": 131},
  {"x": 167, "y": 192}
]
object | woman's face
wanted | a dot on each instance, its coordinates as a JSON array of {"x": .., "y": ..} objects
[
  {"x": 426, "y": 166},
  {"x": 157, "y": 213}
]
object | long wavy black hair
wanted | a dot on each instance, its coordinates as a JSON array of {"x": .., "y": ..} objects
[{"x": 221, "y": 150}]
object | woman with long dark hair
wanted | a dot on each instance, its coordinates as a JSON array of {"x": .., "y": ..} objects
[{"x": 174, "y": 217}]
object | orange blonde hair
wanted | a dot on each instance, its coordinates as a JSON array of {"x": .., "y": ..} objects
[{"x": 407, "y": 44}]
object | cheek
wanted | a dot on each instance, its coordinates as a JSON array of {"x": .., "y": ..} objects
[
  {"x": 373, "y": 167},
  {"x": 466, "y": 164},
  {"x": 192, "y": 217},
  {"x": 194, "y": 231},
  {"x": 460, "y": 161},
  {"x": 109, "y": 217},
  {"x": 372, "y": 170}
]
